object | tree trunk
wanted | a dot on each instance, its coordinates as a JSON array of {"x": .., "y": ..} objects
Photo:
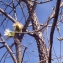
[
  {"x": 18, "y": 49},
  {"x": 39, "y": 39}
]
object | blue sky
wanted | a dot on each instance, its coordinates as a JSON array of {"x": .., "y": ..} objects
[{"x": 31, "y": 55}]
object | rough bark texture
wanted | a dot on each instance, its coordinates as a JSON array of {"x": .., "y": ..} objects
[
  {"x": 42, "y": 50},
  {"x": 37, "y": 35},
  {"x": 18, "y": 49},
  {"x": 39, "y": 39}
]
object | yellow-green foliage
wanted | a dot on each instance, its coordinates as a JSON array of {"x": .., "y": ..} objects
[
  {"x": 18, "y": 27},
  {"x": 9, "y": 33}
]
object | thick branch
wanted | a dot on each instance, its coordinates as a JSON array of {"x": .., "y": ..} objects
[
  {"x": 18, "y": 48},
  {"x": 29, "y": 6},
  {"x": 53, "y": 27}
]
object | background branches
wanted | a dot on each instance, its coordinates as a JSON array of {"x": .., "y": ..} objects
[{"x": 40, "y": 19}]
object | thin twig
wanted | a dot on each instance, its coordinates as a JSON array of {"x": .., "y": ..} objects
[
  {"x": 8, "y": 48},
  {"x": 14, "y": 9},
  {"x": 23, "y": 54}
]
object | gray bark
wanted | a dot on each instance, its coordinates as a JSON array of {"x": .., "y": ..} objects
[
  {"x": 39, "y": 40},
  {"x": 18, "y": 48}
]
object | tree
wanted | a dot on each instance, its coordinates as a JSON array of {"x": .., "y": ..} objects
[{"x": 12, "y": 11}]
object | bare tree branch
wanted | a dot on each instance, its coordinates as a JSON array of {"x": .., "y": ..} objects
[
  {"x": 38, "y": 29},
  {"x": 23, "y": 54},
  {"x": 7, "y": 15},
  {"x": 14, "y": 9},
  {"x": 29, "y": 6},
  {"x": 9, "y": 50},
  {"x": 53, "y": 28}
]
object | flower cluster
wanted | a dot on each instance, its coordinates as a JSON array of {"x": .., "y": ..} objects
[
  {"x": 8, "y": 33},
  {"x": 17, "y": 28}
]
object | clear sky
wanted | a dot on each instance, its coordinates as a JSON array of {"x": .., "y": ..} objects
[{"x": 31, "y": 55}]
